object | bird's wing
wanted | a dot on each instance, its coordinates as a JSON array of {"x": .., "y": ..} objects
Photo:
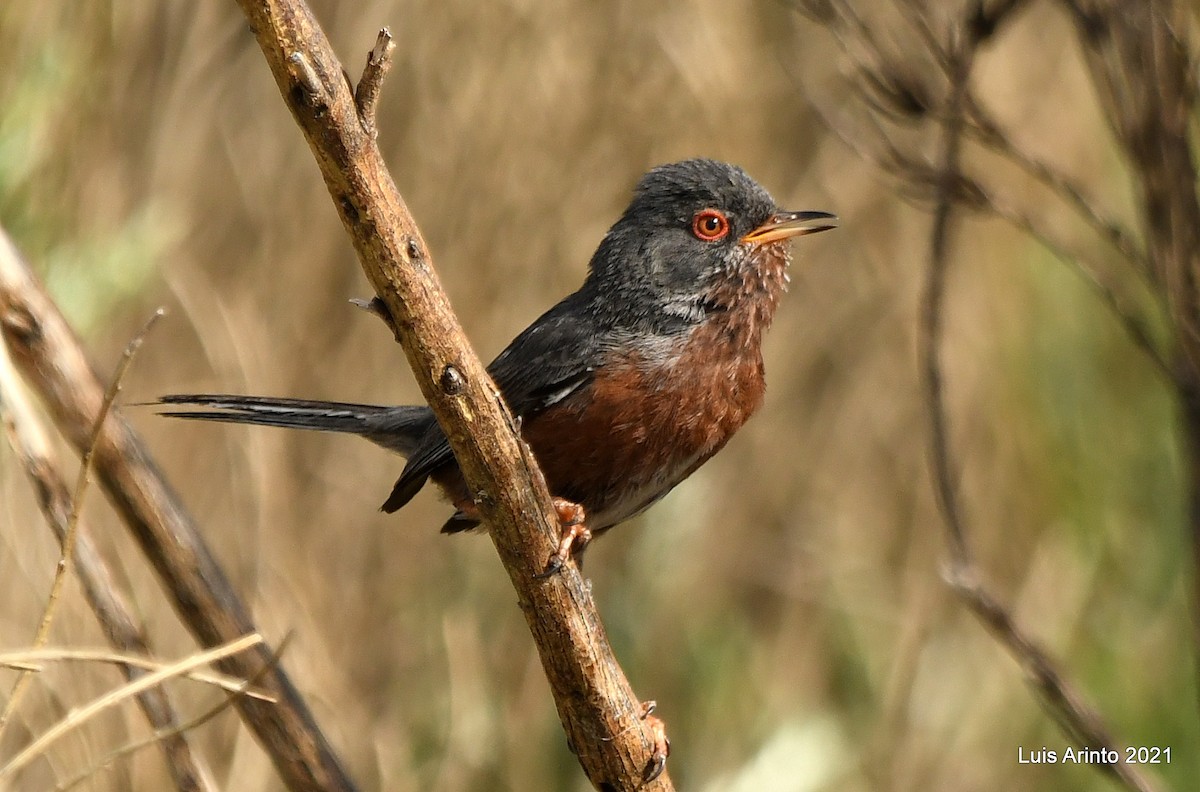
[
  {"x": 545, "y": 364},
  {"x": 549, "y": 361}
]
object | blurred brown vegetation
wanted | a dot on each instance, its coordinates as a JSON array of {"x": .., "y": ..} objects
[{"x": 785, "y": 605}]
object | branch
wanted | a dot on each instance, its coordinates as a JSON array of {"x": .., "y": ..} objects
[
  {"x": 895, "y": 90},
  {"x": 931, "y": 312},
  {"x": 1136, "y": 326},
  {"x": 602, "y": 718},
  {"x": 51, "y": 358},
  {"x": 1077, "y": 719},
  {"x": 1143, "y": 71}
]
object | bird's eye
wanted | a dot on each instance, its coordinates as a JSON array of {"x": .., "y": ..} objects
[{"x": 709, "y": 225}]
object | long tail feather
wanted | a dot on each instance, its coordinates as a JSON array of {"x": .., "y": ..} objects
[{"x": 398, "y": 429}]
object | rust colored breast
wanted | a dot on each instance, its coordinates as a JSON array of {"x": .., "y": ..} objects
[{"x": 648, "y": 421}]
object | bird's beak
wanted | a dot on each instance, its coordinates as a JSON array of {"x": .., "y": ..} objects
[{"x": 785, "y": 225}]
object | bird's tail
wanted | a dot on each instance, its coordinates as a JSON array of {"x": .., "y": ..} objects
[{"x": 398, "y": 429}]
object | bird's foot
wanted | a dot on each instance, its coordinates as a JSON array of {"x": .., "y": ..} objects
[
  {"x": 575, "y": 535},
  {"x": 662, "y": 746}
]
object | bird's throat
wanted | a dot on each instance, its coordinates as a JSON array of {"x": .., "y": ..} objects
[{"x": 744, "y": 300}]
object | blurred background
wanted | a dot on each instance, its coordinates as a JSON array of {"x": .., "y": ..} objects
[{"x": 785, "y": 605}]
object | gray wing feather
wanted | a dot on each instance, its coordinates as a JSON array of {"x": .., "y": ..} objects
[{"x": 542, "y": 366}]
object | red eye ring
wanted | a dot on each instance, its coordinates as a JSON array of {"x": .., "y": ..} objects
[{"x": 709, "y": 225}]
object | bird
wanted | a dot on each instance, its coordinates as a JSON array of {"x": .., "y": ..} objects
[{"x": 624, "y": 387}]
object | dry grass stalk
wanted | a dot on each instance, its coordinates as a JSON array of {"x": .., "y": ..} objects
[
  {"x": 176, "y": 731},
  {"x": 36, "y": 659},
  {"x": 115, "y": 614},
  {"x": 50, "y": 357},
  {"x": 71, "y": 532},
  {"x": 77, "y": 717}
]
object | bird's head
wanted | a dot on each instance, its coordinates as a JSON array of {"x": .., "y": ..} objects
[{"x": 699, "y": 235}]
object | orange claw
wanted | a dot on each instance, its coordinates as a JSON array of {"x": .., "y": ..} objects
[
  {"x": 662, "y": 746},
  {"x": 575, "y": 535}
]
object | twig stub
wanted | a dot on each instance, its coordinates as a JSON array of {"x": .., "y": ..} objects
[{"x": 366, "y": 95}]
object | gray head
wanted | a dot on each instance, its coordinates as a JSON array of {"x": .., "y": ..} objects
[{"x": 691, "y": 228}]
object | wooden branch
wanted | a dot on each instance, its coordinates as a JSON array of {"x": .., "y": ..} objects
[
  {"x": 51, "y": 358},
  {"x": 601, "y": 716},
  {"x": 115, "y": 614}
]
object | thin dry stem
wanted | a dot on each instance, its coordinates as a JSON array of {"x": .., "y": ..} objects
[
  {"x": 931, "y": 317},
  {"x": 989, "y": 131},
  {"x": 1077, "y": 719},
  {"x": 177, "y": 731},
  {"x": 1143, "y": 70},
  {"x": 77, "y": 717},
  {"x": 35, "y": 660},
  {"x": 1136, "y": 328},
  {"x": 894, "y": 90}
]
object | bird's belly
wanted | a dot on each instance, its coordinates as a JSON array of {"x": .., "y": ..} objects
[{"x": 628, "y": 498}]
